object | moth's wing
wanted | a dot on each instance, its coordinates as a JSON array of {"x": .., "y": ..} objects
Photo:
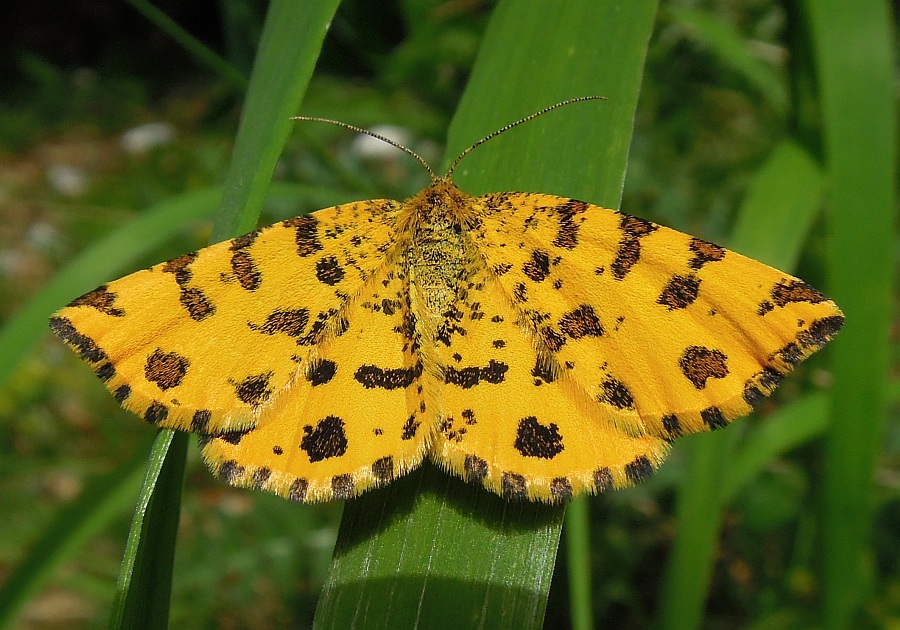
[
  {"x": 510, "y": 422},
  {"x": 203, "y": 341},
  {"x": 671, "y": 333},
  {"x": 356, "y": 418}
]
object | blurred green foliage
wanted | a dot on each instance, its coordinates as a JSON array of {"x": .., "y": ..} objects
[{"x": 729, "y": 111}]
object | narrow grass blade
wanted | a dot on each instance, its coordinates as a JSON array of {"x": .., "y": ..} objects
[
  {"x": 429, "y": 550},
  {"x": 578, "y": 560},
  {"x": 201, "y": 52},
  {"x": 733, "y": 50},
  {"x": 291, "y": 39},
  {"x": 776, "y": 214},
  {"x": 856, "y": 69},
  {"x": 144, "y": 585}
]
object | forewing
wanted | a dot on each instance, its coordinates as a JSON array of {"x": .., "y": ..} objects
[
  {"x": 204, "y": 341},
  {"x": 355, "y": 419},
  {"x": 669, "y": 332}
]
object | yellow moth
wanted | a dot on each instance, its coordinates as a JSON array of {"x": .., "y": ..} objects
[{"x": 541, "y": 346}]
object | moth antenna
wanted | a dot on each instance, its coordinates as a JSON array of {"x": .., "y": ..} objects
[
  {"x": 494, "y": 134},
  {"x": 393, "y": 143}
]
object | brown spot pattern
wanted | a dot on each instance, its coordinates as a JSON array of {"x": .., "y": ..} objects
[
  {"x": 166, "y": 369},
  {"x": 581, "y": 322},
  {"x": 254, "y": 390},
  {"x": 698, "y": 364},
  {"x": 679, "y": 292},
  {"x": 101, "y": 299},
  {"x": 704, "y": 252},
  {"x": 494, "y": 372},
  {"x": 614, "y": 392},
  {"x": 538, "y": 267},
  {"x": 629, "y": 252}
]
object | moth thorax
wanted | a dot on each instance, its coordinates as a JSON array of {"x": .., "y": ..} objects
[{"x": 436, "y": 260}]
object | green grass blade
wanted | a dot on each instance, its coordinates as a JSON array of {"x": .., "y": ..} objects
[
  {"x": 775, "y": 216},
  {"x": 578, "y": 560},
  {"x": 201, "y": 52},
  {"x": 104, "y": 499},
  {"x": 732, "y": 49},
  {"x": 429, "y": 550},
  {"x": 855, "y": 61},
  {"x": 144, "y": 585},
  {"x": 291, "y": 39},
  {"x": 292, "y": 36}
]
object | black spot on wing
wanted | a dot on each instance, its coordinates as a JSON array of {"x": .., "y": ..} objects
[
  {"x": 761, "y": 385},
  {"x": 603, "y": 479},
  {"x": 291, "y": 322},
  {"x": 560, "y": 489},
  {"x": 534, "y": 439},
  {"x": 156, "y": 413},
  {"x": 122, "y": 393},
  {"x": 537, "y": 268},
  {"x": 514, "y": 486},
  {"x": 342, "y": 486},
  {"x": 494, "y": 372},
  {"x": 410, "y": 427},
  {"x": 321, "y": 372},
  {"x": 328, "y": 439},
  {"x": 383, "y": 469},
  {"x": 253, "y": 390},
  {"x": 329, "y": 271},
  {"x": 614, "y": 392},
  {"x": 105, "y": 371},
  {"x": 705, "y": 252},
  {"x": 475, "y": 467},
  {"x": 260, "y": 477},
  {"x": 672, "y": 425},
  {"x": 200, "y": 420},
  {"x": 639, "y": 470},
  {"x": 714, "y": 418},
  {"x": 567, "y": 235},
  {"x": 306, "y": 234},
  {"x": 793, "y": 290},
  {"x": 374, "y": 377},
  {"x": 297, "y": 492},
  {"x": 581, "y": 322},
  {"x": 629, "y": 251},
  {"x": 231, "y": 472},
  {"x": 245, "y": 270}
]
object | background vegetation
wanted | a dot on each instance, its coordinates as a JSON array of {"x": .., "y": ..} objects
[{"x": 768, "y": 126}]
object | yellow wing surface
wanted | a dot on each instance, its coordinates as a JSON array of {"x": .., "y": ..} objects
[
  {"x": 580, "y": 343},
  {"x": 665, "y": 333},
  {"x": 203, "y": 342}
]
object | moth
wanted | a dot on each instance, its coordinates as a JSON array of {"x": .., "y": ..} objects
[{"x": 538, "y": 345}]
